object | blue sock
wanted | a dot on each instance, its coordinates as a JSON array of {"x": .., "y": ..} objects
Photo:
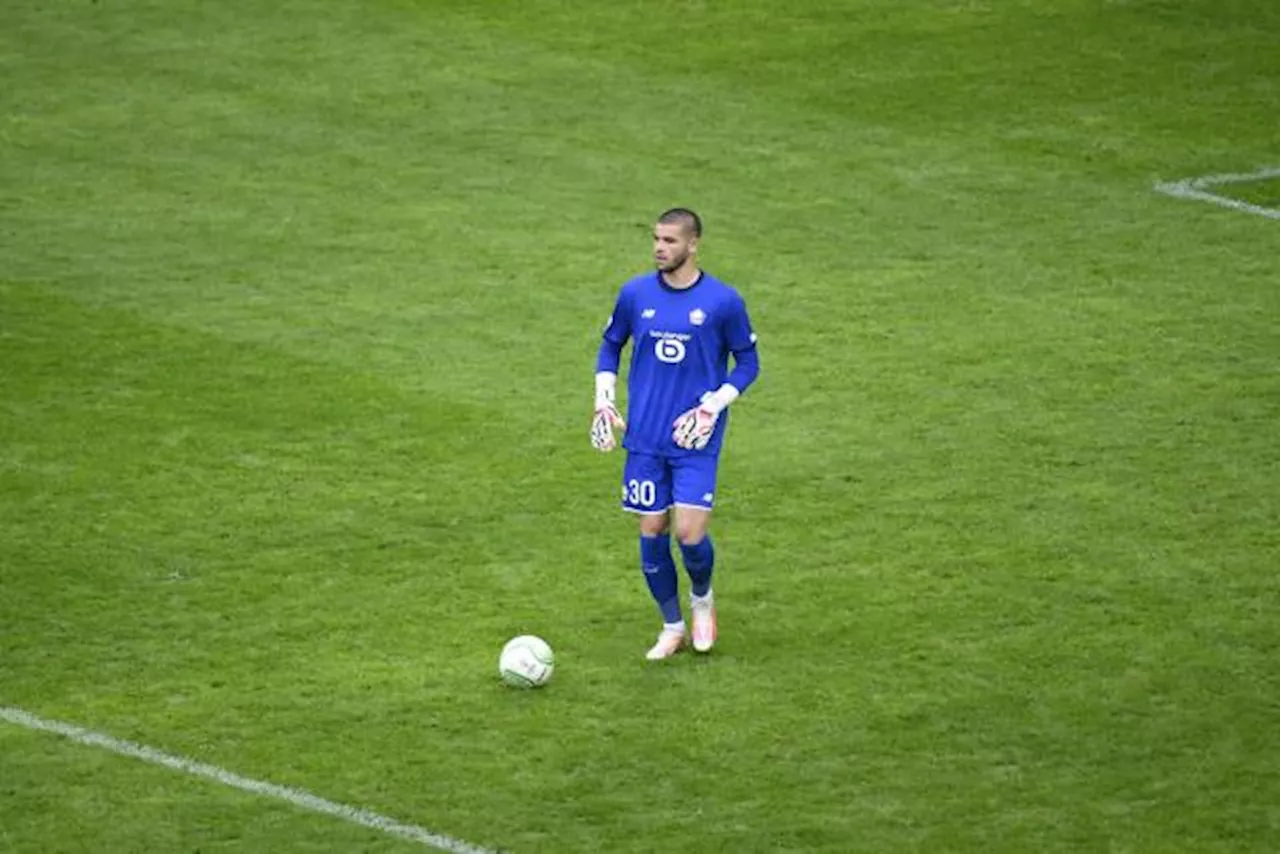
[
  {"x": 660, "y": 573},
  {"x": 699, "y": 560}
]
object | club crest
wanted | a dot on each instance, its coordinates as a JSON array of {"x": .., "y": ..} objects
[{"x": 697, "y": 317}]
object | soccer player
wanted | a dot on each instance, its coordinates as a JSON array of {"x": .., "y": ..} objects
[{"x": 684, "y": 324}]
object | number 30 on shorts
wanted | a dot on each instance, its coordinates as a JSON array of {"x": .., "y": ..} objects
[{"x": 639, "y": 492}]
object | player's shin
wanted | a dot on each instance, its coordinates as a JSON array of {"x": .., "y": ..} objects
[
  {"x": 660, "y": 574},
  {"x": 699, "y": 561}
]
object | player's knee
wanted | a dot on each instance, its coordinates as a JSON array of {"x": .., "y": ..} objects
[
  {"x": 690, "y": 532},
  {"x": 653, "y": 524}
]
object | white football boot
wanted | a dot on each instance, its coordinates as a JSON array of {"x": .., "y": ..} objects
[
  {"x": 670, "y": 641},
  {"x": 704, "y": 622}
]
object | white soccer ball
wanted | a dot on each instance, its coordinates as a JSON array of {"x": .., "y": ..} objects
[{"x": 526, "y": 662}]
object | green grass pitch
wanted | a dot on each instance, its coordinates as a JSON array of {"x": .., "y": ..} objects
[{"x": 298, "y": 311}]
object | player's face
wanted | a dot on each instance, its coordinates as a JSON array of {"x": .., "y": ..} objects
[{"x": 673, "y": 246}]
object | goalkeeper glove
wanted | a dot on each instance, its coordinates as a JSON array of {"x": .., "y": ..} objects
[
  {"x": 607, "y": 417},
  {"x": 695, "y": 427}
]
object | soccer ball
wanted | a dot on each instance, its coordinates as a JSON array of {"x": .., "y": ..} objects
[{"x": 526, "y": 662}]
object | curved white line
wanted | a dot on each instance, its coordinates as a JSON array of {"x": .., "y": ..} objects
[
  {"x": 1194, "y": 188},
  {"x": 297, "y": 797}
]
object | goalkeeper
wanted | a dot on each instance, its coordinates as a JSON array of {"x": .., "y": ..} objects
[{"x": 684, "y": 324}]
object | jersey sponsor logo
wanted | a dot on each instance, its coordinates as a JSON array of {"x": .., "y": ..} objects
[
  {"x": 669, "y": 350},
  {"x": 647, "y": 313},
  {"x": 669, "y": 346},
  {"x": 662, "y": 333},
  {"x": 697, "y": 317}
]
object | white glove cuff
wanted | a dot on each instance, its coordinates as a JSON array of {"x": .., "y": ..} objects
[
  {"x": 606, "y": 388},
  {"x": 720, "y": 398}
]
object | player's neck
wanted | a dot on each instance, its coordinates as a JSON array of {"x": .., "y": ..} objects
[{"x": 685, "y": 276}]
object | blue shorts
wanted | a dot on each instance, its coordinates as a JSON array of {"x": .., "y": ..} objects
[{"x": 652, "y": 484}]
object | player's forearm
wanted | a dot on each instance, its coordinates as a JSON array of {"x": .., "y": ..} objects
[
  {"x": 606, "y": 387},
  {"x": 746, "y": 367},
  {"x": 609, "y": 358}
]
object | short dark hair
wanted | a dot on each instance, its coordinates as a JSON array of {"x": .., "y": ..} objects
[{"x": 685, "y": 217}]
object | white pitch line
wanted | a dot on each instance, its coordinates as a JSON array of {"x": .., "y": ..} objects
[
  {"x": 1194, "y": 188},
  {"x": 297, "y": 797}
]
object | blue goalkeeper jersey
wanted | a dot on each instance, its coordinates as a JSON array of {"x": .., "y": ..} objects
[{"x": 682, "y": 339}]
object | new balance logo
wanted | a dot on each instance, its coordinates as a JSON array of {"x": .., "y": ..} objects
[
  {"x": 647, "y": 313},
  {"x": 707, "y": 496}
]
